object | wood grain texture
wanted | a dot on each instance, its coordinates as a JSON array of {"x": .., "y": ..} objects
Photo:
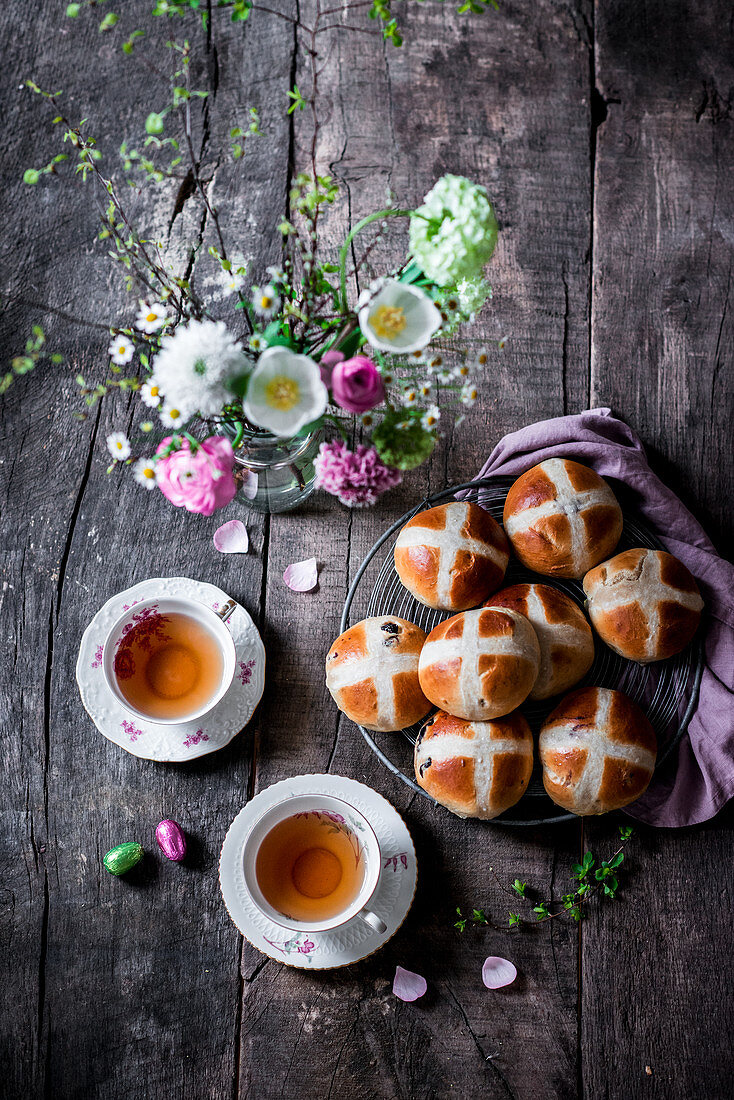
[
  {"x": 655, "y": 988},
  {"x": 143, "y": 987}
]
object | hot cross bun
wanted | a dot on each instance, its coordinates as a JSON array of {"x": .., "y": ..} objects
[
  {"x": 644, "y": 604},
  {"x": 562, "y": 518},
  {"x": 451, "y": 557},
  {"x": 475, "y": 769},
  {"x": 564, "y": 636},
  {"x": 598, "y": 751},
  {"x": 480, "y": 664},
  {"x": 372, "y": 673}
]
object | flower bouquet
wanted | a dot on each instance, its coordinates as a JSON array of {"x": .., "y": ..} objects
[{"x": 300, "y": 358}]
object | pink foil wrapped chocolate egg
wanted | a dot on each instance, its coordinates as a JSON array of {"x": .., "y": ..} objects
[{"x": 171, "y": 840}]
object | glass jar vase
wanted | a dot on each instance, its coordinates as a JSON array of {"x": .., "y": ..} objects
[{"x": 275, "y": 475}]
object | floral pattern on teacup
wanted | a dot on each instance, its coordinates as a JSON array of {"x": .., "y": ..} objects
[
  {"x": 196, "y": 738},
  {"x": 246, "y": 670},
  {"x": 288, "y": 947},
  {"x": 97, "y": 662},
  {"x": 392, "y": 861},
  {"x": 336, "y": 823},
  {"x": 131, "y": 730}
]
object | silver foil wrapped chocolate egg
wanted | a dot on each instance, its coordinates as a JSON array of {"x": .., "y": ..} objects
[{"x": 171, "y": 840}]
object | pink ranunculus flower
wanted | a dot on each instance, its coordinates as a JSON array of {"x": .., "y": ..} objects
[
  {"x": 199, "y": 481},
  {"x": 356, "y": 384}
]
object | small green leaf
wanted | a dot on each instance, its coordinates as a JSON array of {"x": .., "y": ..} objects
[
  {"x": 155, "y": 123},
  {"x": 31, "y": 175}
]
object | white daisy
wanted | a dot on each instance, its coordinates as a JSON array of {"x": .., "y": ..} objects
[
  {"x": 445, "y": 376},
  {"x": 469, "y": 393},
  {"x": 409, "y": 397},
  {"x": 150, "y": 395},
  {"x": 285, "y": 392},
  {"x": 431, "y": 417},
  {"x": 265, "y": 301},
  {"x": 425, "y": 389},
  {"x": 462, "y": 371},
  {"x": 118, "y": 445},
  {"x": 276, "y": 274},
  {"x": 482, "y": 357},
  {"x": 121, "y": 350},
  {"x": 367, "y": 420},
  {"x": 232, "y": 281},
  {"x": 151, "y": 318},
  {"x": 172, "y": 417},
  {"x": 144, "y": 473},
  {"x": 501, "y": 343},
  {"x": 193, "y": 368},
  {"x": 388, "y": 378},
  {"x": 435, "y": 363},
  {"x": 257, "y": 342}
]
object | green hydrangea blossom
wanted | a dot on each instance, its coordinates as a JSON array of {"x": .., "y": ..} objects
[
  {"x": 454, "y": 233},
  {"x": 472, "y": 294},
  {"x": 401, "y": 440}
]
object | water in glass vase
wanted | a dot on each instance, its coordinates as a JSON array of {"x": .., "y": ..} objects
[{"x": 276, "y": 475}]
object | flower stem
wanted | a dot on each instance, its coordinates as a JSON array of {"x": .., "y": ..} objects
[{"x": 344, "y": 254}]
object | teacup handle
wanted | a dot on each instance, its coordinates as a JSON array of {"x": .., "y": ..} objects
[
  {"x": 373, "y": 921},
  {"x": 226, "y": 610}
]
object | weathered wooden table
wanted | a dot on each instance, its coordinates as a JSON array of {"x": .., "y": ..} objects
[{"x": 604, "y": 133}]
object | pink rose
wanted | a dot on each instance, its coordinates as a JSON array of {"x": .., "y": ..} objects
[
  {"x": 356, "y": 384},
  {"x": 199, "y": 481}
]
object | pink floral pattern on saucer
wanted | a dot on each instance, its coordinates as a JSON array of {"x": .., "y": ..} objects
[{"x": 189, "y": 739}]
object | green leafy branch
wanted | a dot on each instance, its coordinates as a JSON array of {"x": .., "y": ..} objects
[
  {"x": 592, "y": 879},
  {"x": 35, "y": 351}
]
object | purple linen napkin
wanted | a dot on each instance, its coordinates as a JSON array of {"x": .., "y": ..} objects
[{"x": 693, "y": 787}]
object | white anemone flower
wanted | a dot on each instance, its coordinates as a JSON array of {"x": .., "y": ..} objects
[
  {"x": 150, "y": 318},
  {"x": 265, "y": 301},
  {"x": 150, "y": 395},
  {"x": 194, "y": 366},
  {"x": 396, "y": 317},
  {"x": 121, "y": 350},
  {"x": 431, "y": 417},
  {"x": 144, "y": 473},
  {"x": 285, "y": 392},
  {"x": 118, "y": 445}
]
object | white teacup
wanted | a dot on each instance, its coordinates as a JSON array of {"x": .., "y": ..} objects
[
  {"x": 213, "y": 622},
  {"x": 368, "y": 854}
]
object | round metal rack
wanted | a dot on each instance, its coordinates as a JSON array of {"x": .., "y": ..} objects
[{"x": 667, "y": 690}]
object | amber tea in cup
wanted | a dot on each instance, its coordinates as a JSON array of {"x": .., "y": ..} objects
[
  {"x": 168, "y": 665},
  {"x": 309, "y": 867}
]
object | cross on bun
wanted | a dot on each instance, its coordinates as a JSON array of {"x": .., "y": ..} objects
[
  {"x": 598, "y": 751},
  {"x": 562, "y": 518},
  {"x": 644, "y": 604},
  {"x": 372, "y": 673},
  {"x": 564, "y": 636},
  {"x": 480, "y": 664},
  {"x": 474, "y": 769},
  {"x": 451, "y": 557}
]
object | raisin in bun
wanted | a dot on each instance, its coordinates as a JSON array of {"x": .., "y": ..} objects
[
  {"x": 372, "y": 673},
  {"x": 644, "y": 604},
  {"x": 598, "y": 751},
  {"x": 480, "y": 664},
  {"x": 451, "y": 557},
  {"x": 474, "y": 769},
  {"x": 564, "y": 636},
  {"x": 562, "y": 518}
]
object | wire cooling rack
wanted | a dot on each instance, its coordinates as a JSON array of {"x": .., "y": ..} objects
[{"x": 667, "y": 690}]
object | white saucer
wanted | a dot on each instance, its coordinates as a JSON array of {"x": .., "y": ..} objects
[
  {"x": 355, "y": 940},
  {"x": 150, "y": 740}
]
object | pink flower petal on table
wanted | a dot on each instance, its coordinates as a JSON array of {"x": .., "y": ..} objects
[
  {"x": 497, "y": 972},
  {"x": 407, "y": 985},
  {"x": 231, "y": 538},
  {"x": 302, "y": 576}
]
